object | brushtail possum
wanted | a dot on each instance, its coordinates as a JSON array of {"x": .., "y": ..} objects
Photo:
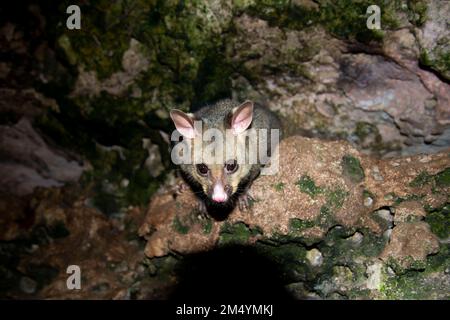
[{"x": 225, "y": 182}]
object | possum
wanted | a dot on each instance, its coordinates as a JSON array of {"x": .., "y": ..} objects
[{"x": 225, "y": 183}]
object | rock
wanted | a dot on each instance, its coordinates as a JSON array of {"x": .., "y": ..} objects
[
  {"x": 385, "y": 214},
  {"x": 374, "y": 273},
  {"x": 314, "y": 257},
  {"x": 134, "y": 62},
  {"x": 409, "y": 211},
  {"x": 376, "y": 174},
  {"x": 28, "y": 159},
  {"x": 298, "y": 291},
  {"x": 376, "y": 102},
  {"x": 28, "y": 285},
  {"x": 368, "y": 201},
  {"x": 410, "y": 243},
  {"x": 387, "y": 234},
  {"x": 92, "y": 241},
  {"x": 357, "y": 238},
  {"x": 31, "y": 162},
  {"x": 153, "y": 162},
  {"x": 315, "y": 197},
  {"x": 434, "y": 36},
  {"x": 340, "y": 281}
]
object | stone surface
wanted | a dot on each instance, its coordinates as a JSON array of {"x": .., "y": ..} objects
[
  {"x": 327, "y": 198},
  {"x": 29, "y": 162},
  {"x": 410, "y": 242},
  {"x": 66, "y": 232}
]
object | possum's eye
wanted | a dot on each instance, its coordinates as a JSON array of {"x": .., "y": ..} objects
[
  {"x": 231, "y": 166},
  {"x": 202, "y": 169}
]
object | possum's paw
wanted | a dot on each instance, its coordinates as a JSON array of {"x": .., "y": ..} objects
[
  {"x": 245, "y": 201},
  {"x": 202, "y": 210},
  {"x": 181, "y": 188}
]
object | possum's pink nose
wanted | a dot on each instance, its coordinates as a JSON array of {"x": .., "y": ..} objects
[{"x": 219, "y": 194}]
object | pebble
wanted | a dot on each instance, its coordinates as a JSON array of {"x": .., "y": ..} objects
[
  {"x": 368, "y": 201},
  {"x": 27, "y": 285},
  {"x": 385, "y": 214},
  {"x": 376, "y": 174},
  {"x": 387, "y": 234},
  {"x": 425, "y": 159},
  {"x": 388, "y": 197},
  {"x": 124, "y": 183},
  {"x": 314, "y": 257},
  {"x": 357, "y": 238}
]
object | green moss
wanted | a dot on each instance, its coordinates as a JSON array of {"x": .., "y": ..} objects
[
  {"x": 180, "y": 227},
  {"x": 342, "y": 18},
  {"x": 290, "y": 259},
  {"x": 443, "y": 178},
  {"x": 439, "y": 182},
  {"x": 417, "y": 12},
  {"x": 367, "y": 194},
  {"x": 351, "y": 168},
  {"x": 438, "y": 59},
  {"x": 293, "y": 236},
  {"x": 422, "y": 179},
  {"x": 296, "y": 225},
  {"x": 279, "y": 186},
  {"x": 345, "y": 18},
  {"x": 238, "y": 233},
  {"x": 325, "y": 212},
  {"x": 284, "y": 14},
  {"x": 101, "y": 41},
  {"x": 439, "y": 221},
  {"x": 163, "y": 267},
  {"x": 207, "y": 226},
  {"x": 307, "y": 185},
  {"x": 64, "y": 43},
  {"x": 424, "y": 284},
  {"x": 338, "y": 249},
  {"x": 364, "y": 129},
  {"x": 336, "y": 197},
  {"x": 334, "y": 201},
  {"x": 442, "y": 64},
  {"x": 406, "y": 264},
  {"x": 368, "y": 136}
]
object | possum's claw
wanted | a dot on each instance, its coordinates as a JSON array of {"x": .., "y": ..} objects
[
  {"x": 202, "y": 210},
  {"x": 245, "y": 201},
  {"x": 181, "y": 188}
]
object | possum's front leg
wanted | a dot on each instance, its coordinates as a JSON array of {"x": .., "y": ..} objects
[
  {"x": 201, "y": 206},
  {"x": 180, "y": 188},
  {"x": 245, "y": 201},
  {"x": 202, "y": 210}
]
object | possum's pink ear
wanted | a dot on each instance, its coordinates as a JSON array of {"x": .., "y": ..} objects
[
  {"x": 242, "y": 117},
  {"x": 183, "y": 122}
]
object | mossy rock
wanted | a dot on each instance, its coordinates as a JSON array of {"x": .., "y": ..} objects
[
  {"x": 238, "y": 233},
  {"x": 351, "y": 168},
  {"x": 307, "y": 185}
]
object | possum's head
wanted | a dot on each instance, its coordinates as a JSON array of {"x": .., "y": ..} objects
[{"x": 218, "y": 179}]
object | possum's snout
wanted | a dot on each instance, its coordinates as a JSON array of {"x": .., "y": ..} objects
[{"x": 220, "y": 193}]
